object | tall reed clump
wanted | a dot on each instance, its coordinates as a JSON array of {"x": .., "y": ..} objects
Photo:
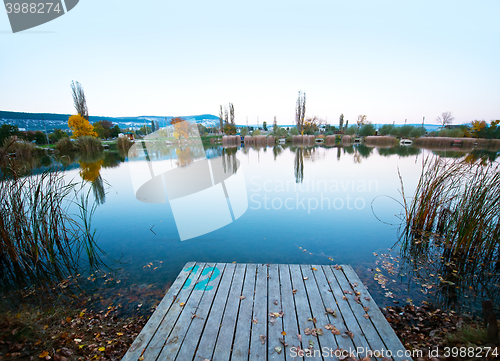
[
  {"x": 41, "y": 241},
  {"x": 65, "y": 145},
  {"x": 456, "y": 210},
  {"x": 88, "y": 144}
]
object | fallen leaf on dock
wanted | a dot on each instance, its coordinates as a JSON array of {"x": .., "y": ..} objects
[
  {"x": 331, "y": 312},
  {"x": 242, "y": 297},
  {"x": 255, "y": 321},
  {"x": 278, "y": 349},
  {"x": 262, "y": 339}
]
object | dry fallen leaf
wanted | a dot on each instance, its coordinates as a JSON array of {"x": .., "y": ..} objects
[
  {"x": 331, "y": 312},
  {"x": 255, "y": 321},
  {"x": 367, "y": 316},
  {"x": 262, "y": 339},
  {"x": 366, "y": 309},
  {"x": 299, "y": 336},
  {"x": 294, "y": 291},
  {"x": 43, "y": 354},
  {"x": 307, "y": 331},
  {"x": 242, "y": 297},
  {"x": 283, "y": 333},
  {"x": 306, "y": 278},
  {"x": 314, "y": 269},
  {"x": 278, "y": 349}
]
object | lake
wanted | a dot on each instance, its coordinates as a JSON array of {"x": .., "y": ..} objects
[{"x": 306, "y": 205}]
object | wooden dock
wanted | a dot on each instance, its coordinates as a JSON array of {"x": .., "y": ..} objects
[{"x": 266, "y": 312}]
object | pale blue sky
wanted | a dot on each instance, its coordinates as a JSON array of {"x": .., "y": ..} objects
[{"x": 390, "y": 60}]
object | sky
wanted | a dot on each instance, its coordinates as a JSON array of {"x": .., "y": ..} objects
[{"x": 389, "y": 60}]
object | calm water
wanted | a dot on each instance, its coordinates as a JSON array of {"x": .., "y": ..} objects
[{"x": 312, "y": 205}]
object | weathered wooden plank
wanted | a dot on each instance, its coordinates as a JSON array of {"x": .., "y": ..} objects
[
  {"x": 258, "y": 349},
  {"x": 141, "y": 342},
  {"x": 241, "y": 344},
  {"x": 214, "y": 323},
  {"x": 188, "y": 347},
  {"x": 225, "y": 339},
  {"x": 275, "y": 323},
  {"x": 304, "y": 313},
  {"x": 158, "y": 340},
  {"x": 350, "y": 322},
  {"x": 371, "y": 334},
  {"x": 176, "y": 337},
  {"x": 386, "y": 332},
  {"x": 329, "y": 301},
  {"x": 318, "y": 309},
  {"x": 212, "y": 327},
  {"x": 290, "y": 325}
]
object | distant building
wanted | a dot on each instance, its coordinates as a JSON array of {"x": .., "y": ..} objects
[{"x": 129, "y": 135}]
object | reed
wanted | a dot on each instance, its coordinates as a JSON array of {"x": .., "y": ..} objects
[
  {"x": 455, "y": 211},
  {"x": 65, "y": 145},
  {"x": 380, "y": 140},
  {"x": 123, "y": 144},
  {"x": 41, "y": 241},
  {"x": 88, "y": 144},
  {"x": 346, "y": 139}
]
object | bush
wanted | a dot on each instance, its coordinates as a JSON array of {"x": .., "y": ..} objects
[
  {"x": 294, "y": 131},
  {"x": 329, "y": 132},
  {"x": 352, "y": 130},
  {"x": 417, "y": 132},
  {"x": 88, "y": 144},
  {"x": 366, "y": 130},
  {"x": 394, "y": 132},
  {"x": 65, "y": 145},
  {"x": 386, "y": 129},
  {"x": 123, "y": 144},
  {"x": 255, "y": 132},
  {"x": 244, "y": 131}
]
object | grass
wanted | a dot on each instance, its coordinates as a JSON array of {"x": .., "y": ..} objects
[
  {"x": 88, "y": 144},
  {"x": 454, "y": 212},
  {"x": 380, "y": 140},
  {"x": 41, "y": 241}
]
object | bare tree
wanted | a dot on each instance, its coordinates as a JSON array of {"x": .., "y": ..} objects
[
  {"x": 361, "y": 120},
  {"x": 79, "y": 99},
  {"x": 226, "y": 116},
  {"x": 341, "y": 121},
  {"x": 300, "y": 111},
  {"x": 221, "y": 119},
  {"x": 231, "y": 113},
  {"x": 445, "y": 119}
]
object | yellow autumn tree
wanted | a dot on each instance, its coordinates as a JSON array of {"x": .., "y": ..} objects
[{"x": 80, "y": 126}]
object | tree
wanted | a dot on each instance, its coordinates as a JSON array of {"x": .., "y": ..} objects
[
  {"x": 6, "y": 131},
  {"x": 103, "y": 128},
  {"x": 221, "y": 120},
  {"x": 341, "y": 121},
  {"x": 231, "y": 113},
  {"x": 275, "y": 126},
  {"x": 312, "y": 125},
  {"x": 180, "y": 128},
  {"x": 80, "y": 126},
  {"x": 230, "y": 129},
  {"x": 79, "y": 100},
  {"x": 352, "y": 130},
  {"x": 366, "y": 130},
  {"x": 264, "y": 125},
  {"x": 113, "y": 132},
  {"x": 386, "y": 129},
  {"x": 361, "y": 120},
  {"x": 226, "y": 116},
  {"x": 57, "y": 135},
  {"x": 244, "y": 131},
  {"x": 300, "y": 111},
  {"x": 445, "y": 119}
]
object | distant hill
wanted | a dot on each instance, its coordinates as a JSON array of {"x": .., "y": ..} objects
[{"x": 38, "y": 121}]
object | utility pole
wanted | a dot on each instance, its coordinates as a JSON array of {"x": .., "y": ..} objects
[
  {"x": 257, "y": 122},
  {"x": 423, "y": 120}
]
